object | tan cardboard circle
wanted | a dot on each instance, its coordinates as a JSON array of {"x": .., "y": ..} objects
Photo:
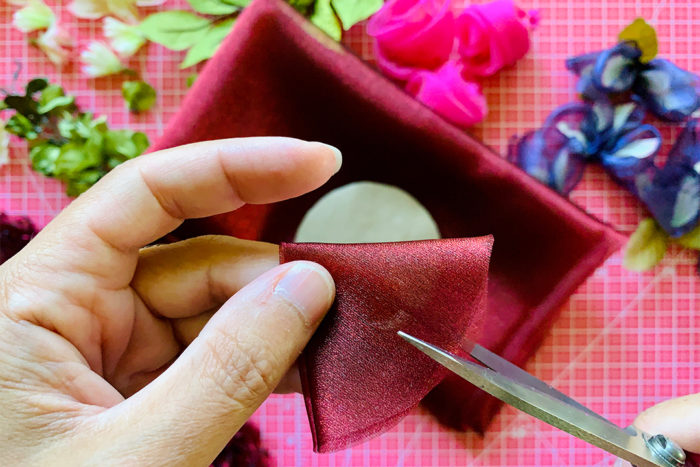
[{"x": 366, "y": 212}]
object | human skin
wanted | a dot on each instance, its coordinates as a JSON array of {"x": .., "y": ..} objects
[
  {"x": 679, "y": 419},
  {"x": 111, "y": 353}
]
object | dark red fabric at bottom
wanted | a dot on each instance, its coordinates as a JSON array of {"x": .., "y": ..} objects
[{"x": 359, "y": 377}]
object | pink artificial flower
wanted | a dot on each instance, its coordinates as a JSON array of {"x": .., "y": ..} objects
[
  {"x": 493, "y": 35},
  {"x": 56, "y": 44},
  {"x": 449, "y": 94},
  {"x": 410, "y": 35}
]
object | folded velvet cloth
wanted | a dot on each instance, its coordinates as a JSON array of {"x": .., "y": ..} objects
[
  {"x": 359, "y": 377},
  {"x": 276, "y": 74}
]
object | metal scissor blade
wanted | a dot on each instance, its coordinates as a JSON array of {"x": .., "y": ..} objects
[
  {"x": 514, "y": 372},
  {"x": 557, "y": 413}
]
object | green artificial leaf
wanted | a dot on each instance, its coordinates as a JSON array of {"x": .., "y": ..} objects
[
  {"x": 67, "y": 126},
  {"x": 24, "y": 105},
  {"x": 139, "y": 95},
  {"x": 302, "y": 6},
  {"x": 324, "y": 18},
  {"x": 74, "y": 147},
  {"x": 191, "y": 79},
  {"x": 63, "y": 101},
  {"x": 124, "y": 144},
  {"x": 81, "y": 126},
  {"x": 209, "y": 44},
  {"x": 50, "y": 93},
  {"x": 20, "y": 125},
  {"x": 80, "y": 182},
  {"x": 88, "y": 124},
  {"x": 644, "y": 35},
  {"x": 36, "y": 85},
  {"x": 43, "y": 157},
  {"x": 646, "y": 247},
  {"x": 352, "y": 12},
  {"x": 76, "y": 157},
  {"x": 212, "y": 7},
  {"x": 690, "y": 240},
  {"x": 52, "y": 98},
  {"x": 175, "y": 29},
  {"x": 238, "y": 3}
]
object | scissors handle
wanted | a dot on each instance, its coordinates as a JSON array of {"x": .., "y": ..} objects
[
  {"x": 667, "y": 451},
  {"x": 692, "y": 460}
]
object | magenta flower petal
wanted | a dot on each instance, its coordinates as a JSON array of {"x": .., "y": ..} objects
[
  {"x": 393, "y": 69},
  {"x": 412, "y": 34},
  {"x": 449, "y": 94},
  {"x": 493, "y": 35}
]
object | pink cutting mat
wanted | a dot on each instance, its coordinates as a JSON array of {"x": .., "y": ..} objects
[{"x": 623, "y": 342}]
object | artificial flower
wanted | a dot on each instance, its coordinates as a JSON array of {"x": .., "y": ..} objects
[
  {"x": 34, "y": 16},
  {"x": 449, "y": 94},
  {"x": 668, "y": 91},
  {"x": 412, "y": 35},
  {"x": 493, "y": 35},
  {"x": 125, "y": 39},
  {"x": 577, "y": 133},
  {"x": 96, "y": 9},
  {"x": 672, "y": 195},
  {"x": 4, "y": 145},
  {"x": 672, "y": 192},
  {"x": 55, "y": 43},
  {"x": 99, "y": 60}
]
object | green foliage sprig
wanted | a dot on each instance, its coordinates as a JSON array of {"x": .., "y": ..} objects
[
  {"x": 201, "y": 32},
  {"x": 64, "y": 143}
]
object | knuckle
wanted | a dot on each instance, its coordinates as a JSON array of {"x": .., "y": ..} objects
[{"x": 241, "y": 373}]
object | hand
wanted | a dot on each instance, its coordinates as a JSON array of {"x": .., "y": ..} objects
[
  {"x": 679, "y": 419},
  {"x": 95, "y": 366}
]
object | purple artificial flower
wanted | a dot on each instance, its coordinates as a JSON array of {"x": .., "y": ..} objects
[
  {"x": 577, "y": 133},
  {"x": 672, "y": 192},
  {"x": 668, "y": 91}
]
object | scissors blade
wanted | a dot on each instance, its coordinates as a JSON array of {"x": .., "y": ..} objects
[
  {"x": 514, "y": 372},
  {"x": 555, "y": 412}
]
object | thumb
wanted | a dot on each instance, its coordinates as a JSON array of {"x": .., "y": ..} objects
[
  {"x": 189, "y": 413},
  {"x": 679, "y": 419}
]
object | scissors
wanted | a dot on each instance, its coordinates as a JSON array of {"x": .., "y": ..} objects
[{"x": 518, "y": 388}]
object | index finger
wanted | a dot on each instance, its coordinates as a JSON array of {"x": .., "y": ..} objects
[{"x": 147, "y": 197}]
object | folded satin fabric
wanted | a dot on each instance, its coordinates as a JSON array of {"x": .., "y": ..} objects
[
  {"x": 276, "y": 74},
  {"x": 359, "y": 377}
]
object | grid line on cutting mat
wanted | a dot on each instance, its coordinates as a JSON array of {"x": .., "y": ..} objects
[{"x": 623, "y": 341}]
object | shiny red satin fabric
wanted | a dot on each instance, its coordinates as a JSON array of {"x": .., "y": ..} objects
[
  {"x": 359, "y": 377},
  {"x": 278, "y": 75}
]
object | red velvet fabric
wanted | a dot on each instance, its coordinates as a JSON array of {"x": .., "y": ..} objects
[
  {"x": 359, "y": 377},
  {"x": 278, "y": 75}
]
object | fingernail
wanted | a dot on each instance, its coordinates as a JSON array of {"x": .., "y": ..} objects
[
  {"x": 337, "y": 154},
  {"x": 309, "y": 288}
]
